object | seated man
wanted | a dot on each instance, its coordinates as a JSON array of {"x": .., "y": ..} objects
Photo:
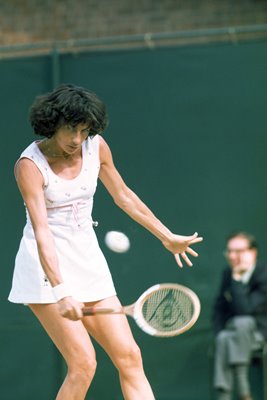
[{"x": 239, "y": 316}]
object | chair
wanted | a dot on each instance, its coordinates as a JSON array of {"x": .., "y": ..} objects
[
  {"x": 258, "y": 355},
  {"x": 261, "y": 355}
]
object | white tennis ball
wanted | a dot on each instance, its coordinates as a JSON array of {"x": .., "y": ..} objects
[{"x": 117, "y": 241}]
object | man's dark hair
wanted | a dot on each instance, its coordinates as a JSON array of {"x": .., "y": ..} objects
[
  {"x": 67, "y": 105},
  {"x": 252, "y": 242}
]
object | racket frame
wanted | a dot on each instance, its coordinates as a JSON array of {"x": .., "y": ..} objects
[{"x": 135, "y": 310}]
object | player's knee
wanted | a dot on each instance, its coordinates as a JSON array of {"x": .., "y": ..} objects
[
  {"x": 130, "y": 358},
  {"x": 83, "y": 370}
]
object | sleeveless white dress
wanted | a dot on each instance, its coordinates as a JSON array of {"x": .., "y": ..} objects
[{"x": 69, "y": 206}]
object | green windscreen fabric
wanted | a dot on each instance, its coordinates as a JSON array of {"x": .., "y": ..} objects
[{"x": 188, "y": 135}]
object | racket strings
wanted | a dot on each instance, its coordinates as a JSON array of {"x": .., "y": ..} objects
[{"x": 168, "y": 310}]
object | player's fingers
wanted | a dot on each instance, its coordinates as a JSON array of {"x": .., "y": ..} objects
[
  {"x": 196, "y": 240},
  {"x": 188, "y": 262},
  {"x": 75, "y": 316},
  {"x": 178, "y": 260},
  {"x": 74, "y": 313},
  {"x": 79, "y": 313},
  {"x": 69, "y": 315},
  {"x": 78, "y": 310},
  {"x": 192, "y": 237},
  {"x": 192, "y": 252}
]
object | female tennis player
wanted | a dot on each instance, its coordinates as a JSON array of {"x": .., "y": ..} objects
[{"x": 59, "y": 266}]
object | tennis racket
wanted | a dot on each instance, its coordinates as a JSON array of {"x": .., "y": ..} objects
[{"x": 164, "y": 310}]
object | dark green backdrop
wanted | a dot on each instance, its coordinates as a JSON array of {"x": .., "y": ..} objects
[{"x": 188, "y": 134}]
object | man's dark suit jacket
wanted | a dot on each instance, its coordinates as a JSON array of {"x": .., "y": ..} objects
[{"x": 236, "y": 298}]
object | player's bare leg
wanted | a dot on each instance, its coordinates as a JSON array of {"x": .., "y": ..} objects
[
  {"x": 72, "y": 340},
  {"x": 113, "y": 333}
]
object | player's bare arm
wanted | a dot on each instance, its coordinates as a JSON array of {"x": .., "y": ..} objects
[
  {"x": 30, "y": 183},
  {"x": 130, "y": 203}
]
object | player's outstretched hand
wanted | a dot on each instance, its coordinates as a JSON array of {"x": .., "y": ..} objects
[{"x": 180, "y": 245}]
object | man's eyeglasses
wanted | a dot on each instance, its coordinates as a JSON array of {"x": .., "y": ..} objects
[{"x": 227, "y": 252}]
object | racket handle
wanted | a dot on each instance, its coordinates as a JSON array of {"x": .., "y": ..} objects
[{"x": 101, "y": 310}]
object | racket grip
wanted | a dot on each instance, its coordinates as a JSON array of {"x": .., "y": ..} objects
[
  {"x": 101, "y": 310},
  {"x": 88, "y": 311}
]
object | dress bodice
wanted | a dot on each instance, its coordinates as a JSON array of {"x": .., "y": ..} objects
[{"x": 68, "y": 201}]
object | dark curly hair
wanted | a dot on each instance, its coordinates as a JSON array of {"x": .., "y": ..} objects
[{"x": 67, "y": 105}]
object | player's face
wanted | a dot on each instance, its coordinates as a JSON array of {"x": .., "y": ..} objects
[
  {"x": 69, "y": 139},
  {"x": 238, "y": 251}
]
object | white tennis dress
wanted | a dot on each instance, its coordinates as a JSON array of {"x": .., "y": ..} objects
[{"x": 69, "y": 206}]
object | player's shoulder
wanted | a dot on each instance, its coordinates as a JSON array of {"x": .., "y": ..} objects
[
  {"x": 25, "y": 163},
  {"x": 102, "y": 142},
  {"x": 29, "y": 156},
  {"x": 26, "y": 168},
  {"x": 29, "y": 163},
  {"x": 104, "y": 149}
]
